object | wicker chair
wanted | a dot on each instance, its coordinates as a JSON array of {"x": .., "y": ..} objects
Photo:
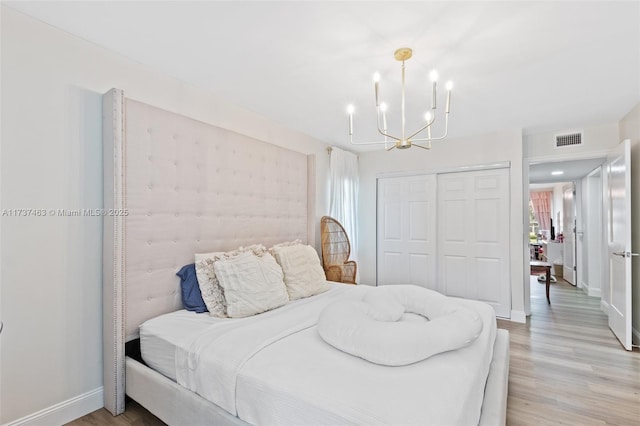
[{"x": 335, "y": 252}]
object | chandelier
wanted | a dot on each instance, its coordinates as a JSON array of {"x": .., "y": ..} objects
[{"x": 405, "y": 140}]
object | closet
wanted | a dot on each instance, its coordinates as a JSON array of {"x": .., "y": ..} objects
[{"x": 448, "y": 232}]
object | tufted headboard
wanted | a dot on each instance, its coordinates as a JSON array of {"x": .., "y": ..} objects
[{"x": 174, "y": 186}]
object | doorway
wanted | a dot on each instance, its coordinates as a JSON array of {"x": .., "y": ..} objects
[{"x": 576, "y": 249}]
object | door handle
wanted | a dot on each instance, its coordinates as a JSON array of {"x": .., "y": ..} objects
[{"x": 625, "y": 253}]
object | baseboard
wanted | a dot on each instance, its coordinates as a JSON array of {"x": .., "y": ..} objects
[
  {"x": 518, "y": 316},
  {"x": 604, "y": 306},
  {"x": 594, "y": 292},
  {"x": 636, "y": 336},
  {"x": 65, "y": 411}
]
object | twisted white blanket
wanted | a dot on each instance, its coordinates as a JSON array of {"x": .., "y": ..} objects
[{"x": 373, "y": 328}]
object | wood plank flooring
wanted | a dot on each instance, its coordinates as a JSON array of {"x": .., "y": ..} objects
[{"x": 566, "y": 368}]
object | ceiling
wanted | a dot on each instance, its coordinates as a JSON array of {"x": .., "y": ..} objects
[
  {"x": 538, "y": 66},
  {"x": 572, "y": 170}
]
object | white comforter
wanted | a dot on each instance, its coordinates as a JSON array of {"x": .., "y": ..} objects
[{"x": 274, "y": 368}]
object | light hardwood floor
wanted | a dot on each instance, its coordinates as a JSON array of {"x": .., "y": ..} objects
[{"x": 566, "y": 368}]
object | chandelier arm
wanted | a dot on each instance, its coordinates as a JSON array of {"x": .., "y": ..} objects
[
  {"x": 387, "y": 135},
  {"x": 423, "y": 147},
  {"x": 389, "y": 149},
  {"x": 369, "y": 143},
  {"x": 446, "y": 130},
  {"x": 380, "y": 130},
  {"x": 423, "y": 127}
]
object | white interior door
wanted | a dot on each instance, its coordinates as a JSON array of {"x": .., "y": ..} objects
[
  {"x": 473, "y": 237},
  {"x": 407, "y": 230},
  {"x": 569, "y": 228},
  {"x": 618, "y": 202}
]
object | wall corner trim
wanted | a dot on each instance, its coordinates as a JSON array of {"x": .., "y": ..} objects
[{"x": 65, "y": 411}]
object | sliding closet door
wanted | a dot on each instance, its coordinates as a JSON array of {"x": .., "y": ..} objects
[
  {"x": 406, "y": 235},
  {"x": 473, "y": 237}
]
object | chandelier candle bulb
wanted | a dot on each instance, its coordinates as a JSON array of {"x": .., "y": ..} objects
[
  {"x": 376, "y": 83},
  {"x": 434, "y": 78},
  {"x": 449, "y": 87},
  {"x": 350, "y": 111}
]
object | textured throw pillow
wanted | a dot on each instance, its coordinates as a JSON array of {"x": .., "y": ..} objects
[
  {"x": 252, "y": 284},
  {"x": 190, "y": 289},
  {"x": 285, "y": 244},
  {"x": 210, "y": 289},
  {"x": 303, "y": 274}
]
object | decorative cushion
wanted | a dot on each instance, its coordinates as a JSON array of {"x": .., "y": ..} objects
[
  {"x": 210, "y": 289},
  {"x": 252, "y": 284},
  {"x": 190, "y": 289},
  {"x": 378, "y": 334},
  {"x": 303, "y": 273},
  {"x": 285, "y": 244}
]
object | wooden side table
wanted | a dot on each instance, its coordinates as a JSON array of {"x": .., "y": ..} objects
[{"x": 538, "y": 267}]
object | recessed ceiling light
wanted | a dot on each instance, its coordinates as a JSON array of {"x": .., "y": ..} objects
[{"x": 557, "y": 172}]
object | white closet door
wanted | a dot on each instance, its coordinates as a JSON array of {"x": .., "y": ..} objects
[
  {"x": 473, "y": 237},
  {"x": 406, "y": 231}
]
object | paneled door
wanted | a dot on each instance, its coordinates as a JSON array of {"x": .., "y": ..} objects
[
  {"x": 618, "y": 208},
  {"x": 473, "y": 237},
  {"x": 406, "y": 230},
  {"x": 569, "y": 232}
]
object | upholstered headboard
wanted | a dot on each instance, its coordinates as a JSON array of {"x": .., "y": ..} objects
[{"x": 174, "y": 186}]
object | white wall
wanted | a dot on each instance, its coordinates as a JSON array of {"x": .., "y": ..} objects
[
  {"x": 630, "y": 129},
  {"x": 596, "y": 139},
  {"x": 483, "y": 149},
  {"x": 52, "y": 83}
]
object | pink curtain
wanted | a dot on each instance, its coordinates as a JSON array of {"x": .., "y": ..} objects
[{"x": 541, "y": 201}]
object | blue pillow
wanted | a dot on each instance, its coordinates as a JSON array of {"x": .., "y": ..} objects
[{"x": 191, "y": 296}]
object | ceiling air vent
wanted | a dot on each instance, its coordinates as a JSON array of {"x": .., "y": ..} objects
[{"x": 568, "y": 140}]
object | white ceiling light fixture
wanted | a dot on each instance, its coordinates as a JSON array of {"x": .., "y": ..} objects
[
  {"x": 405, "y": 140},
  {"x": 557, "y": 172}
]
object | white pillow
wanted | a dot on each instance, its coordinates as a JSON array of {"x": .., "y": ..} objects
[
  {"x": 303, "y": 274},
  {"x": 252, "y": 284},
  {"x": 212, "y": 292}
]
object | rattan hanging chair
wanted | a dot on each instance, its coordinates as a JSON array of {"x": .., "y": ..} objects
[{"x": 335, "y": 252}]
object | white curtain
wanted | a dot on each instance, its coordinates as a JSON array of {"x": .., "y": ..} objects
[{"x": 343, "y": 194}]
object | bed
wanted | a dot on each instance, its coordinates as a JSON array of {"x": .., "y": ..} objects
[{"x": 175, "y": 186}]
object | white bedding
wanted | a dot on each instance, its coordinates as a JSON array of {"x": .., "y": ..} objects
[{"x": 274, "y": 368}]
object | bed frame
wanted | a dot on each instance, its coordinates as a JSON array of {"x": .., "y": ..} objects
[{"x": 174, "y": 186}]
